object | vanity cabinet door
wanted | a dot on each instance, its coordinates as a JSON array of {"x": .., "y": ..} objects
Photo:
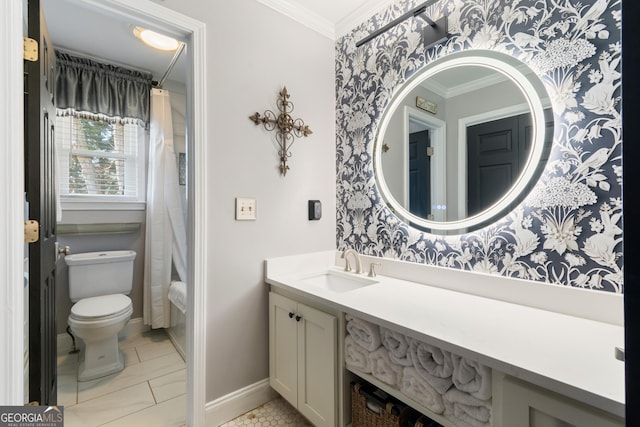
[
  {"x": 527, "y": 405},
  {"x": 283, "y": 347},
  {"x": 303, "y": 358},
  {"x": 317, "y": 392}
]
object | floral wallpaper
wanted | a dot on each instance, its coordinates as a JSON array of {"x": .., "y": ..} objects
[{"x": 568, "y": 231}]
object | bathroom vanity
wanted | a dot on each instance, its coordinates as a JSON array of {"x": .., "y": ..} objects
[{"x": 551, "y": 349}]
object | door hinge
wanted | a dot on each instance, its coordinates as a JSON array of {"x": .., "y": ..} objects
[
  {"x": 31, "y": 231},
  {"x": 430, "y": 151},
  {"x": 30, "y": 49}
]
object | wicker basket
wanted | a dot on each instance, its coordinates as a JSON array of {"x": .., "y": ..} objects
[
  {"x": 390, "y": 414},
  {"x": 424, "y": 421}
]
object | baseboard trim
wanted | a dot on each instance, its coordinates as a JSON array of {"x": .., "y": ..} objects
[
  {"x": 134, "y": 327},
  {"x": 239, "y": 402}
]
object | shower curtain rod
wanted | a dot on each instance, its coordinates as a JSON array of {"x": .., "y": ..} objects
[
  {"x": 413, "y": 12},
  {"x": 170, "y": 67}
]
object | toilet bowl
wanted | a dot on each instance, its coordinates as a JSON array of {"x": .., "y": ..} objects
[
  {"x": 98, "y": 284},
  {"x": 97, "y": 322}
]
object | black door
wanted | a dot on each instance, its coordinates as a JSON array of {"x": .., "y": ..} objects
[
  {"x": 631, "y": 204},
  {"x": 39, "y": 184},
  {"x": 419, "y": 174},
  {"x": 495, "y": 154}
]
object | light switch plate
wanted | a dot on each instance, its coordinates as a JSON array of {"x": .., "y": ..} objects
[{"x": 245, "y": 209}]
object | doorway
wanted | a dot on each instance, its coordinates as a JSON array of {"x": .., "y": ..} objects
[
  {"x": 420, "y": 174},
  {"x": 192, "y": 32},
  {"x": 429, "y": 202}
]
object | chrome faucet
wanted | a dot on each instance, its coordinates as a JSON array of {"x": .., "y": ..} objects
[{"x": 356, "y": 257}]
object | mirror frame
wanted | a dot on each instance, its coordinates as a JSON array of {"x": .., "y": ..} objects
[{"x": 481, "y": 58}]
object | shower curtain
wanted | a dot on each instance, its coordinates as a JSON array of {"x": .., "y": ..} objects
[{"x": 166, "y": 237}]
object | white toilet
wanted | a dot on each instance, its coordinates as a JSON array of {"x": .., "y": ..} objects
[{"x": 99, "y": 283}]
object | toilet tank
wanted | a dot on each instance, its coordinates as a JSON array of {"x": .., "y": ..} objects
[{"x": 95, "y": 274}]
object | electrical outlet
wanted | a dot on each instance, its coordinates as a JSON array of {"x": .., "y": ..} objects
[{"x": 245, "y": 209}]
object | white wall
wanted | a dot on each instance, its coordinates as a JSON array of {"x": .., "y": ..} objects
[{"x": 252, "y": 52}]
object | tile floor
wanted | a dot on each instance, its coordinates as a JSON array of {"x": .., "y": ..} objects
[
  {"x": 150, "y": 391},
  {"x": 275, "y": 413}
]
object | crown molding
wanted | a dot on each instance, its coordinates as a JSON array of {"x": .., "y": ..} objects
[
  {"x": 360, "y": 15},
  {"x": 469, "y": 86},
  {"x": 302, "y": 15},
  {"x": 322, "y": 25}
]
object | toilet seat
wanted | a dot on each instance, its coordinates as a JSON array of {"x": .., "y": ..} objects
[
  {"x": 97, "y": 321},
  {"x": 101, "y": 308}
]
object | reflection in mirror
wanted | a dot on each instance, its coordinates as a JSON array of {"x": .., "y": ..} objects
[{"x": 462, "y": 141}]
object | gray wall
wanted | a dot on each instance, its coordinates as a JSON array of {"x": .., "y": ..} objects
[
  {"x": 103, "y": 242},
  {"x": 134, "y": 240},
  {"x": 252, "y": 52}
]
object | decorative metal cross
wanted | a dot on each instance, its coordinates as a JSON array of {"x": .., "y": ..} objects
[{"x": 286, "y": 127}]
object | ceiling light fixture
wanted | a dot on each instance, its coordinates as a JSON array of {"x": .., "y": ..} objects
[{"x": 156, "y": 40}]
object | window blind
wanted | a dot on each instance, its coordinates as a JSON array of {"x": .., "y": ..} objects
[{"x": 97, "y": 158}]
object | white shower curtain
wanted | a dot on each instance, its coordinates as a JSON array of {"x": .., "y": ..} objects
[{"x": 166, "y": 237}]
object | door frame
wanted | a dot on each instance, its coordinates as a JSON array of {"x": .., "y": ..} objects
[
  {"x": 12, "y": 161},
  {"x": 12, "y": 216},
  {"x": 438, "y": 134}
]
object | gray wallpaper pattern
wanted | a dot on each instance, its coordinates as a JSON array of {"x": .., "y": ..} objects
[{"x": 568, "y": 230}]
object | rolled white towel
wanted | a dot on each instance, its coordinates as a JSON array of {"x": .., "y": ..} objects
[
  {"x": 414, "y": 386},
  {"x": 178, "y": 295},
  {"x": 433, "y": 364},
  {"x": 383, "y": 369},
  {"x": 471, "y": 377},
  {"x": 355, "y": 356},
  {"x": 465, "y": 410},
  {"x": 397, "y": 345},
  {"x": 366, "y": 334}
]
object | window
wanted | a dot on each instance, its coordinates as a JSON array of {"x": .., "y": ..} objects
[{"x": 99, "y": 160}]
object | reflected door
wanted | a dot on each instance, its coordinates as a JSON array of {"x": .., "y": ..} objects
[
  {"x": 419, "y": 173},
  {"x": 496, "y": 153}
]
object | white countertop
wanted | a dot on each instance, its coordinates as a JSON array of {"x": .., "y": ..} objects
[{"x": 571, "y": 355}]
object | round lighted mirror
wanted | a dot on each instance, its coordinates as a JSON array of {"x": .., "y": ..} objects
[{"x": 463, "y": 141}]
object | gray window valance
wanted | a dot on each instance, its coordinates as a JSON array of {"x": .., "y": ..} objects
[{"x": 83, "y": 84}]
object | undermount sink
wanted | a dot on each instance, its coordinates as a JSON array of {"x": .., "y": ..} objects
[{"x": 337, "y": 281}]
